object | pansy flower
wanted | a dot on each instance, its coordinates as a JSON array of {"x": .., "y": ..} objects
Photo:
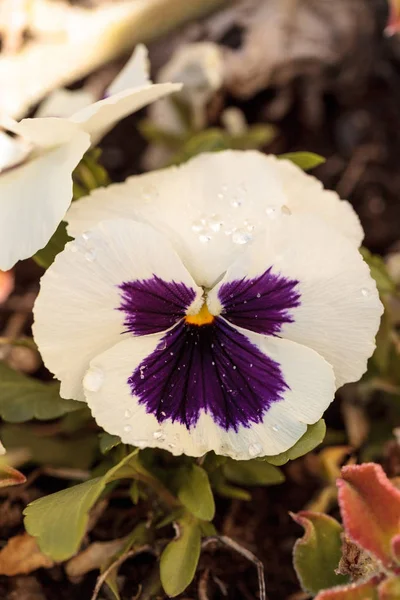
[
  {"x": 37, "y": 160},
  {"x": 213, "y": 306}
]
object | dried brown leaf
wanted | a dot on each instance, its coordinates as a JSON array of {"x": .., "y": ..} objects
[{"x": 21, "y": 555}]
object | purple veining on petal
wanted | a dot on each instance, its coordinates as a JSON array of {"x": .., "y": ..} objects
[
  {"x": 261, "y": 304},
  {"x": 212, "y": 368},
  {"x": 154, "y": 305}
]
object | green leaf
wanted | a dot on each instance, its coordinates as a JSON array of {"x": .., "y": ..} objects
[
  {"x": 379, "y": 272},
  {"x": 317, "y": 554},
  {"x": 179, "y": 560},
  {"x": 23, "y": 398},
  {"x": 45, "y": 257},
  {"x": 59, "y": 521},
  {"x": 108, "y": 442},
  {"x": 304, "y": 160},
  {"x": 77, "y": 452},
  {"x": 195, "y": 493},
  {"x": 254, "y": 138},
  {"x": 314, "y": 436},
  {"x": 210, "y": 140},
  {"x": 252, "y": 472},
  {"x": 231, "y": 491},
  {"x": 364, "y": 590}
]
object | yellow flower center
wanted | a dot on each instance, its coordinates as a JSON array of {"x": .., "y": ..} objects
[{"x": 203, "y": 317}]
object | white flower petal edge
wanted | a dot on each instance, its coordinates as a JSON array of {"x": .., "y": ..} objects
[
  {"x": 309, "y": 377},
  {"x": 306, "y": 193},
  {"x": 100, "y": 117},
  {"x": 2, "y": 449},
  {"x": 135, "y": 73},
  {"x": 35, "y": 195},
  {"x": 213, "y": 206},
  {"x": 340, "y": 310},
  {"x": 75, "y": 314}
]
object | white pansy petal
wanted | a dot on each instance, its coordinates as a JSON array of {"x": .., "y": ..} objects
[
  {"x": 306, "y": 194},
  {"x": 146, "y": 423},
  {"x": 135, "y": 73},
  {"x": 211, "y": 207},
  {"x": 77, "y": 312},
  {"x": 2, "y": 449},
  {"x": 36, "y": 195},
  {"x": 98, "y": 118},
  {"x": 305, "y": 282}
]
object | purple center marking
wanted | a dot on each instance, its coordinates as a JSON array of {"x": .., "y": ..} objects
[{"x": 212, "y": 368}]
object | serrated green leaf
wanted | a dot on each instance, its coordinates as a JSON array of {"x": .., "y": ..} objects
[
  {"x": 195, "y": 493},
  {"x": 317, "y": 554},
  {"x": 59, "y": 521},
  {"x": 314, "y": 436},
  {"x": 108, "y": 442},
  {"x": 45, "y": 257},
  {"x": 179, "y": 560},
  {"x": 304, "y": 160},
  {"x": 379, "y": 272},
  {"x": 77, "y": 452},
  {"x": 23, "y": 398},
  {"x": 252, "y": 472}
]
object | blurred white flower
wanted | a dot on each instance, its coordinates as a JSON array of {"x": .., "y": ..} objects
[
  {"x": 36, "y": 166},
  {"x": 213, "y": 306}
]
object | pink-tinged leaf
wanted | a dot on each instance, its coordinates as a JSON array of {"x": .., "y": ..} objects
[
  {"x": 317, "y": 554},
  {"x": 396, "y": 548},
  {"x": 393, "y": 25},
  {"x": 6, "y": 285},
  {"x": 390, "y": 589},
  {"x": 355, "y": 591},
  {"x": 370, "y": 507}
]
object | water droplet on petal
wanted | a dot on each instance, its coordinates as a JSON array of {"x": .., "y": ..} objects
[
  {"x": 254, "y": 449},
  {"x": 86, "y": 235},
  {"x": 93, "y": 379},
  {"x": 204, "y": 239},
  {"x": 142, "y": 369},
  {"x": 241, "y": 237},
  {"x": 365, "y": 292},
  {"x": 128, "y": 414},
  {"x": 258, "y": 295},
  {"x": 128, "y": 428},
  {"x": 271, "y": 212},
  {"x": 276, "y": 428},
  {"x": 159, "y": 435},
  {"x": 90, "y": 255},
  {"x": 197, "y": 226},
  {"x": 236, "y": 202},
  {"x": 286, "y": 210},
  {"x": 215, "y": 223},
  {"x": 163, "y": 414}
]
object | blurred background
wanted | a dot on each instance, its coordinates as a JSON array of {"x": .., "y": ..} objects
[{"x": 281, "y": 76}]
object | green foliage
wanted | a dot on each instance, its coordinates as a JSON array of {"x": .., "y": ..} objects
[
  {"x": 179, "y": 560},
  {"x": 317, "y": 554},
  {"x": 77, "y": 452},
  {"x": 195, "y": 493},
  {"x": 59, "y": 521},
  {"x": 379, "y": 272},
  {"x": 45, "y": 257},
  {"x": 314, "y": 436},
  {"x": 108, "y": 442},
  {"x": 304, "y": 160},
  {"x": 252, "y": 472},
  {"x": 23, "y": 398}
]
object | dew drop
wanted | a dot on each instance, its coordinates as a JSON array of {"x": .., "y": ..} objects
[
  {"x": 271, "y": 212},
  {"x": 90, "y": 255},
  {"x": 127, "y": 414},
  {"x": 236, "y": 202},
  {"x": 128, "y": 428},
  {"x": 365, "y": 292},
  {"x": 86, "y": 235},
  {"x": 258, "y": 295},
  {"x": 159, "y": 435},
  {"x": 163, "y": 414},
  {"x": 215, "y": 223},
  {"x": 254, "y": 449},
  {"x": 93, "y": 379},
  {"x": 276, "y": 428},
  {"x": 234, "y": 367},
  {"x": 204, "y": 239},
  {"x": 286, "y": 210},
  {"x": 241, "y": 237},
  {"x": 142, "y": 369},
  {"x": 198, "y": 226}
]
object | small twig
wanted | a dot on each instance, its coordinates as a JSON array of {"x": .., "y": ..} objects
[
  {"x": 117, "y": 563},
  {"x": 203, "y": 585},
  {"x": 226, "y": 541}
]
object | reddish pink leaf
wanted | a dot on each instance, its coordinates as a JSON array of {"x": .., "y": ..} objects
[
  {"x": 393, "y": 25},
  {"x": 355, "y": 591},
  {"x": 10, "y": 476},
  {"x": 6, "y": 285},
  {"x": 370, "y": 507},
  {"x": 396, "y": 548}
]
